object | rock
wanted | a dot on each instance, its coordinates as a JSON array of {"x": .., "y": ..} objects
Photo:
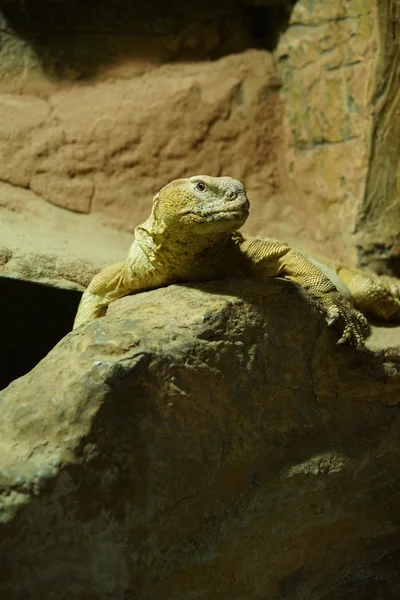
[
  {"x": 202, "y": 441},
  {"x": 338, "y": 62},
  {"x": 46, "y": 244},
  {"x": 326, "y": 59},
  {"x": 108, "y": 147},
  {"x": 378, "y": 223}
]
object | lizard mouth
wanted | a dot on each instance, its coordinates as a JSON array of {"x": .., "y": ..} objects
[
  {"x": 239, "y": 211},
  {"x": 224, "y": 209},
  {"x": 227, "y": 215},
  {"x": 242, "y": 209},
  {"x": 235, "y": 215}
]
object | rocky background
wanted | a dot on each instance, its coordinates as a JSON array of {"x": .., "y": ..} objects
[{"x": 199, "y": 441}]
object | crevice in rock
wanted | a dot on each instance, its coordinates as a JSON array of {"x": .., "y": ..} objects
[{"x": 34, "y": 318}]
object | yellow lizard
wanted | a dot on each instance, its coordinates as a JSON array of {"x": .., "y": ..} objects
[{"x": 191, "y": 235}]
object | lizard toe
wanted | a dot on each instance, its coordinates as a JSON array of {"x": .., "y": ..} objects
[
  {"x": 333, "y": 312},
  {"x": 355, "y": 326}
]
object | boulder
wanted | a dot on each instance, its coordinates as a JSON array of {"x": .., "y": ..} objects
[{"x": 202, "y": 441}]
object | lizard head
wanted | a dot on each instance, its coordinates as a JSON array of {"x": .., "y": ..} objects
[{"x": 202, "y": 205}]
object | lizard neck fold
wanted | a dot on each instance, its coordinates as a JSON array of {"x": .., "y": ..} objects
[{"x": 177, "y": 249}]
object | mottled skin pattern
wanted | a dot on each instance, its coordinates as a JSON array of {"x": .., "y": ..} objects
[{"x": 191, "y": 235}]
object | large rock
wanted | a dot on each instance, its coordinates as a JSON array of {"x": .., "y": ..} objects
[
  {"x": 107, "y": 147},
  {"x": 339, "y": 66},
  {"x": 379, "y": 215},
  {"x": 326, "y": 59},
  {"x": 204, "y": 441}
]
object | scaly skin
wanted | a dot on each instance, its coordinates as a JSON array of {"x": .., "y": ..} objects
[{"x": 191, "y": 235}]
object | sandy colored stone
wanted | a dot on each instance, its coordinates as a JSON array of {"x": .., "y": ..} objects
[
  {"x": 114, "y": 137},
  {"x": 378, "y": 223},
  {"x": 202, "y": 441},
  {"x": 47, "y": 244},
  {"x": 327, "y": 58},
  {"x": 339, "y": 66},
  {"x": 106, "y": 147}
]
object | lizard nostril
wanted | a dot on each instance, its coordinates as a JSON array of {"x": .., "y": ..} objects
[{"x": 232, "y": 195}]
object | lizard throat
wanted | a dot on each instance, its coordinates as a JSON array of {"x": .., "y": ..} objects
[{"x": 176, "y": 251}]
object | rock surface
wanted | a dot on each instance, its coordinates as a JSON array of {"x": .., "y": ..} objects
[
  {"x": 202, "y": 441},
  {"x": 46, "y": 244},
  {"x": 378, "y": 225},
  {"x": 326, "y": 59},
  {"x": 107, "y": 147},
  {"x": 339, "y": 67}
]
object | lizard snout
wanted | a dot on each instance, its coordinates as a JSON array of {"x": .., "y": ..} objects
[{"x": 236, "y": 192}]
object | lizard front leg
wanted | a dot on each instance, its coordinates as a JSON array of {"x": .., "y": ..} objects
[
  {"x": 273, "y": 258},
  {"x": 106, "y": 286}
]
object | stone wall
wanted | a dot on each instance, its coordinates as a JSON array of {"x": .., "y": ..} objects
[
  {"x": 378, "y": 224},
  {"x": 327, "y": 58},
  {"x": 106, "y": 147},
  {"x": 340, "y": 66}
]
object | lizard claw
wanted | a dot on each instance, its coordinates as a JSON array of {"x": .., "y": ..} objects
[
  {"x": 355, "y": 327},
  {"x": 353, "y": 324},
  {"x": 333, "y": 313}
]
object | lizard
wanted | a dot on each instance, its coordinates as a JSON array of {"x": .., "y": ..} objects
[{"x": 192, "y": 235}]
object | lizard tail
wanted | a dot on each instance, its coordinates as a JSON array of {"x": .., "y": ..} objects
[{"x": 378, "y": 296}]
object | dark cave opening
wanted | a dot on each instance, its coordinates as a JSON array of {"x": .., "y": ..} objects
[
  {"x": 74, "y": 39},
  {"x": 34, "y": 318}
]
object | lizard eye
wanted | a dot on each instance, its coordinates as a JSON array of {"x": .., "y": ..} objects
[{"x": 200, "y": 186}]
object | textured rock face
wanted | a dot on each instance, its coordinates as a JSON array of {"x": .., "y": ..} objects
[
  {"x": 378, "y": 224},
  {"x": 202, "y": 441},
  {"x": 327, "y": 60},
  {"x": 339, "y": 67},
  {"x": 100, "y": 124},
  {"x": 108, "y": 147}
]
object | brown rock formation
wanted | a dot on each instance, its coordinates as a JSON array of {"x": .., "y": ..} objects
[
  {"x": 107, "y": 147},
  {"x": 378, "y": 223},
  {"x": 202, "y": 441},
  {"x": 339, "y": 63}
]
